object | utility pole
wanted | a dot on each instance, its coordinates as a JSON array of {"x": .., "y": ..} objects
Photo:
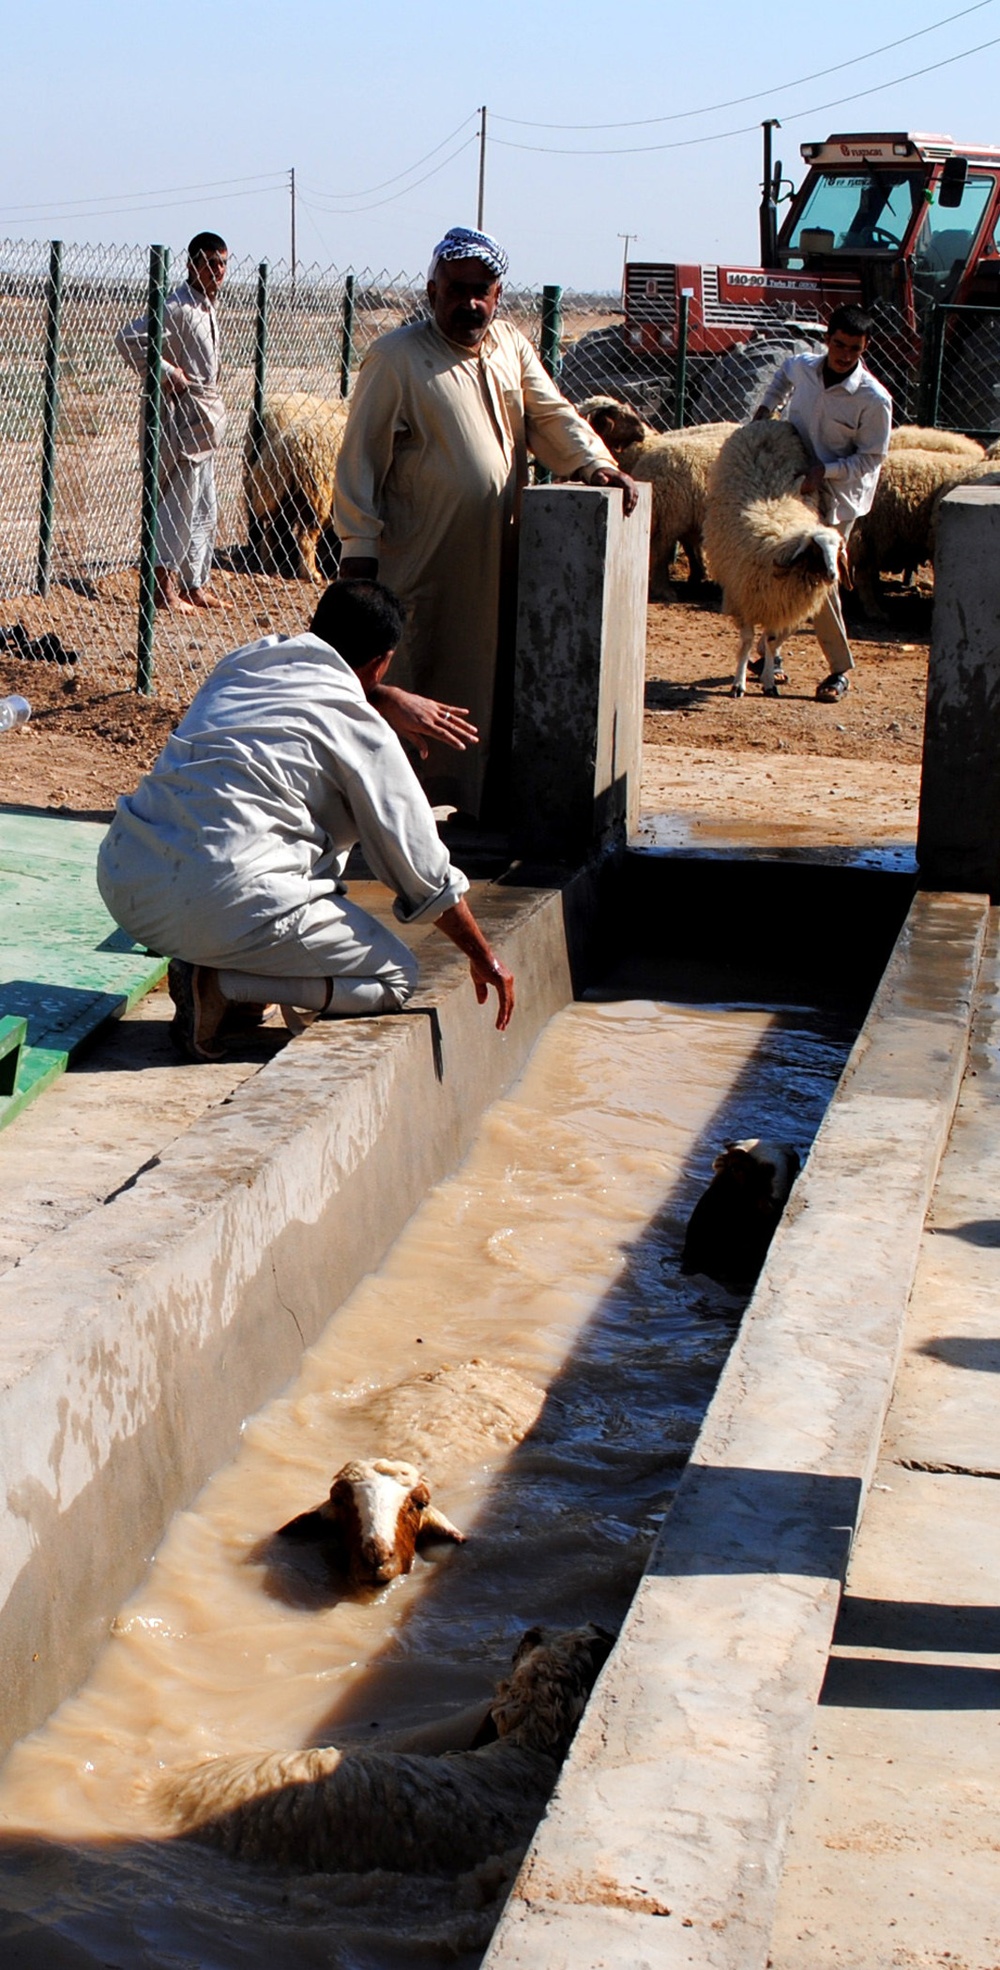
[
  {"x": 482, "y": 166},
  {"x": 627, "y": 237},
  {"x": 291, "y": 187}
]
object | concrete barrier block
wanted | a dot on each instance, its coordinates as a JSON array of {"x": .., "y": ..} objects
[
  {"x": 958, "y": 838},
  {"x": 579, "y": 670}
]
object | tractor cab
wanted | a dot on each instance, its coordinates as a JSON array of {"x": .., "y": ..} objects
[{"x": 914, "y": 218}]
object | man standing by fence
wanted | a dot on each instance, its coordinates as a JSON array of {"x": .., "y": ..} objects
[
  {"x": 192, "y": 428},
  {"x": 431, "y": 468}
]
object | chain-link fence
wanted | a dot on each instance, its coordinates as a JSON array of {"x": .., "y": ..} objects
[{"x": 70, "y": 441}]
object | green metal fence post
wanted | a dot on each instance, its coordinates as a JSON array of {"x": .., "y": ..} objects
[
  {"x": 159, "y": 261},
  {"x": 549, "y": 353},
  {"x": 255, "y": 434},
  {"x": 940, "y": 326},
  {"x": 680, "y": 392},
  {"x": 347, "y": 336},
  {"x": 50, "y": 415}
]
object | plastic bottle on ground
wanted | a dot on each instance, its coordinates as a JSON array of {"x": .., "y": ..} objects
[{"x": 13, "y": 711}]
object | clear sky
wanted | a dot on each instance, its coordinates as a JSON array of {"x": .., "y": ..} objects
[{"x": 107, "y": 101}]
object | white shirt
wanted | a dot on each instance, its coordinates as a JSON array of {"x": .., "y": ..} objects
[
  {"x": 846, "y": 426},
  {"x": 194, "y": 420},
  {"x": 248, "y": 816}
]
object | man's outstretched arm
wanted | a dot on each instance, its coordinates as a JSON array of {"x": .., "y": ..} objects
[{"x": 460, "y": 925}]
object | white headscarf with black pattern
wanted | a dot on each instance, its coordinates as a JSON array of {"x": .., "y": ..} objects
[{"x": 463, "y": 243}]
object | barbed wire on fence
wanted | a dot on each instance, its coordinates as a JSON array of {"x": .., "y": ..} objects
[{"x": 319, "y": 325}]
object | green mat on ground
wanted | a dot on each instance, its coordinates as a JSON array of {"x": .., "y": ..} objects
[{"x": 65, "y": 967}]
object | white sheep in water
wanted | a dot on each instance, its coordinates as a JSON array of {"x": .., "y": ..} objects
[
  {"x": 288, "y": 480},
  {"x": 735, "y": 1219},
  {"x": 677, "y": 465},
  {"x": 379, "y": 1513},
  {"x": 370, "y": 1527},
  {"x": 774, "y": 556},
  {"x": 345, "y": 1811}
]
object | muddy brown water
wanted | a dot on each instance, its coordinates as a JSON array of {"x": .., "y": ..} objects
[{"x": 551, "y": 1257}]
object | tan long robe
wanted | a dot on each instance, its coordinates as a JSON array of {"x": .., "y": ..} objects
[{"x": 433, "y": 460}]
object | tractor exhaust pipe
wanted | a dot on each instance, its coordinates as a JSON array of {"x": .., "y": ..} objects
[{"x": 769, "y": 200}]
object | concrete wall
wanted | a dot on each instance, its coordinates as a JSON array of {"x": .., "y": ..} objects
[
  {"x": 134, "y": 1343},
  {"x": 958, "y": 840},
  {"x": 579, "y": 672}
]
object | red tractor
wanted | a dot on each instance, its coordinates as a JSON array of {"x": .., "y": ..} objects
[{"x": 908, "y": 225}]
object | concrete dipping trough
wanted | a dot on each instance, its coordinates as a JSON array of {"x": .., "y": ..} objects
[{"x": 134, "y": 1342}]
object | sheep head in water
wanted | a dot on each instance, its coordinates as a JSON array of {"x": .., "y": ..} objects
[
  {"x": 732, "y": 1224},
  {"x": 376, "y": 1516}
]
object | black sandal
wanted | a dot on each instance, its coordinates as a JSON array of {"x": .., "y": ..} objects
[{"x": 833, "y": 688}]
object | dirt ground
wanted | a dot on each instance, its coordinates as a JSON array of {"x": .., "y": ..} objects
[{"x": 88, "y": 740}]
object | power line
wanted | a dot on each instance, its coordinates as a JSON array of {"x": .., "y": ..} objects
[
  {"x": 102, "y": 198},
  {"x": 734, "y": 102},
  {"x": 741, "y": 130},
  {"x": 348, "y": 212},
  {"x": 413, "y": 167}
]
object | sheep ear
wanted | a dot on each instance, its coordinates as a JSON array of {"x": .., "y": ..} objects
[
  {"x": 603, "y": 422},
  {"x": 789, "y": 552},
  {"x": 434, "y": 1525},
  {"x": 308, "y": 1526}
]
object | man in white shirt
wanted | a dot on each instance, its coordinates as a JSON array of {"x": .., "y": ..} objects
[
  {"x": 843, "y": 416},
  {"x": 193, "y": 425},
  {"x": 228, "y": 856}
]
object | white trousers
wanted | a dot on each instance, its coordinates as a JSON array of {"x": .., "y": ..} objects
[
  {"x": 186, "y": 521},
  {"x": 828, "y": 626},
  {"x": 332, "y": 938}
]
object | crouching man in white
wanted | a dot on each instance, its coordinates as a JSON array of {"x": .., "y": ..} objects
[
  {"x": 844, "y": 416},
  {"x": 229, "y": 854}
]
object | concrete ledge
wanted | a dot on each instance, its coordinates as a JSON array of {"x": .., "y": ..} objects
[
  {"x": 134, "y": 1342},
  {"x": 664, "y": 1840}
]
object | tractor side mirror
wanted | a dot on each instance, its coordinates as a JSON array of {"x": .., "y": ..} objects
[{"x": 951, "y": 188}]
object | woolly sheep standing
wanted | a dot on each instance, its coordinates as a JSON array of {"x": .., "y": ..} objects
[
  {"x": 288, "y": 483},
  {"x": 676, "y": 464},
  {"x": 347, "y": 1812},
  {"x": 774, "y": 557},
  {"x": 920, "y": 437},
  {"x": 896, "y": 534}
]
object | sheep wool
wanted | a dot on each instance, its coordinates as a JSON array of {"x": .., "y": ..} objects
[
  {"x": 918, "y": 437},
  {"x": 896, "y": 535},
  {"x": 288, "y": 479},
  {"x": 775, "y": 558},
  {"x": 676, "y": 464},
  {"x": 334, "y": 1811}
]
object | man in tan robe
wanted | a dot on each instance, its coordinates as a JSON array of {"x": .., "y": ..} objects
[{"x": 431, "y": 468}]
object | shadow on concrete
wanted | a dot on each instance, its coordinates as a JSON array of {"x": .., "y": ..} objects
[
  {"x": 858, "y": 1683},
  {"x": 976, "y": 1231},
  {"x": 965, "y": 1351},
  {"x": 931, "y": 1626}
]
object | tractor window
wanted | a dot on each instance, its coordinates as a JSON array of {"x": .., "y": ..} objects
[
  {"x": 946, "y": 239},
  {"x": 856, "y": 211}
]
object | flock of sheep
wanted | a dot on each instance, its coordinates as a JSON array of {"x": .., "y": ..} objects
[{"x": 728, "y": 494}]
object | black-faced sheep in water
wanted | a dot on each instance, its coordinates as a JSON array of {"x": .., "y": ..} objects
[
  {"x": 676, "y": 465},
  {"x": 369, "y": 1529},
  {"x": 345, "y": 1811},
  {"x": 776, "y": 559},
  {"x": 734, "y": 1221},
  {"x": 288, "y": 480}
]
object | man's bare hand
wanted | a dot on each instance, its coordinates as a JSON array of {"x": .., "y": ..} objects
[
  {"x": 814, "y": 478},
  {"x": 488, "y": 973},
  {"x": 174, "y": 381},
  {"x": 608, "y": 475},
  {"x": 421, "y": 719},
  {"x": 496, "y": 975}
]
